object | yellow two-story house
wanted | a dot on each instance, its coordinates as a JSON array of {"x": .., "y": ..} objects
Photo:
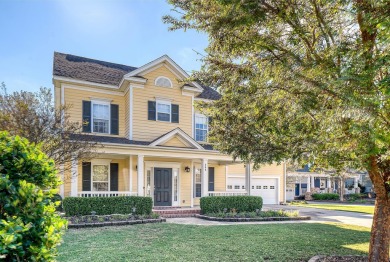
[{"x": 154, "y": 141}]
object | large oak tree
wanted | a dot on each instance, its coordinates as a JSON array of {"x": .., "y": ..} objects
[{"x": 305, "y": 80}]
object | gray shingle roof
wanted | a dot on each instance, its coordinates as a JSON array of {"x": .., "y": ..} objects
[{"x": 102, "y": 72}]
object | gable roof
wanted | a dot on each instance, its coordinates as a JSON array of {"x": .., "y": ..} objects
[
  {"x": 176, "y": 132},
  {"x": 102, "y": 72}
]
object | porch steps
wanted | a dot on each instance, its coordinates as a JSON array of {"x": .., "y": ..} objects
[{"x": 177, "y": 212}]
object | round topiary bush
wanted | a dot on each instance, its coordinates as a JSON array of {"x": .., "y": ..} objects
[{"x": 30, "y": 228}]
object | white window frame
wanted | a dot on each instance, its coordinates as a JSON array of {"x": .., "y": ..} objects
[
  {"x": 163, "y": 77},
  {"x": 109, "y": 174},
  {"x": 195, "y": 168},
  {"x": 96, "y": 102},
  {"x": 207, "y": 127},
  {"x": 163, "y": 102}
]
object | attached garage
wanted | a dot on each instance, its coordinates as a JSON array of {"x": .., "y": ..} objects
[{"x": 267, "y": 188}]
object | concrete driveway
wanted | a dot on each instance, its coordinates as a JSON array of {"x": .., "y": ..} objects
[
  {"x": 326, "y": 215},
  {"x": 317, "y": 216}
]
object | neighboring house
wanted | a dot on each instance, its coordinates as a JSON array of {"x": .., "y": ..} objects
[
  {"x": 304, "y": 180},
  {"x": 155, "y": 141}
]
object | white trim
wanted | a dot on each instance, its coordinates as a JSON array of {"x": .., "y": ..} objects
[
  {"x": 226, "y": 176},
  {"x": 131, "y": 173},
  {"x": 140, "y": 175},
  {"x": 94, "y": 89},
  {"x": 152, "y": 164},
  {"x": 173, "y": 72},
  {"x": 157, "y": 61},
  {"x": 163, "y": 77},
  {"x": 130, "y": 112},
  {"x": 192, "y": 183},
  {"x": 62, "y": 104},
  {"x": 193, "y": 118},
  {"x": 137, "y": 79},
  {"x": 101, "y": 100},
  {"x": 67, "y": 79},
  {"x": 179, "y": 132},
  {"x": 191, "y": 89},
  {"x": 74, "y": 173}
]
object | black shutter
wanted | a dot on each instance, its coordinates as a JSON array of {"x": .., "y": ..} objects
[
  {"x": 211, "y": 178},
  {"x": 175, "y": 113},
  {"x": 151, "y": 110},
  {"x": 86, "y": 176},
  {"x": 114, "y": 119},
  {"x": 114, "y": 168},
  {"x": 87, "y": 116}
]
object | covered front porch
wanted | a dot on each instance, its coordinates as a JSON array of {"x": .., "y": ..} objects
[{"x": 177, "y": 181}]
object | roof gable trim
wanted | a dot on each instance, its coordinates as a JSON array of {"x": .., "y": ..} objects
[{"x": 186, "y": 139}]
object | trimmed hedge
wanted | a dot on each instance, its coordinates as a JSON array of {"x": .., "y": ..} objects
[
  {"x": 79, "y": 206},
  {"x": 217, "y": 204},
  {"x": 326, "y": 196}
]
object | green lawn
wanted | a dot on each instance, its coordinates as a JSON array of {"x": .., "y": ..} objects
[
  {"x": 172, "y": 242},
  {"x": 352, "y": 208}
]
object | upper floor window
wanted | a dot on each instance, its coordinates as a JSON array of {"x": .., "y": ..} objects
[
  {"x": 164, "y": 111},
  {"x": 201, "y": 127},
  {"x": 100, "y": 117},
  {"x": 163, "y": 81}
]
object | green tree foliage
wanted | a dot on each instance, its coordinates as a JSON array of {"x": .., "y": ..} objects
[
  {"x": 300, "y": 80},
  {"x": 30, "y": 229}
]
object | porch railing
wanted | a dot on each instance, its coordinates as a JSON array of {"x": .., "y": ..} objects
[
  {"x": 223, "y": 193},
  {"x": 105, "y": 193}
]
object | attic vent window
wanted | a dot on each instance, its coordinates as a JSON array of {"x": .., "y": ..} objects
[{"x": 163, "y": 81}]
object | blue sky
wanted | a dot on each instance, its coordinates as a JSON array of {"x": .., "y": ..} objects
[{"x": 128, "y": 32}]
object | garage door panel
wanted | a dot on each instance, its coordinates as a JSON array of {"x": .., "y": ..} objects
[{"x": 267, "y": 188}]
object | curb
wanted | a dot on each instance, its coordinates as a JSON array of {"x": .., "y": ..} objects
[{"x": 247, "y": 219}]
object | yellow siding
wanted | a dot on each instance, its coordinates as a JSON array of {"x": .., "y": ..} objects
[
  {"x": 174, "y": 142},
  {"x": 57, "y": 97},
  {"x": 148, "y": 130},
  {"x": 74, "y": 98},
  {"x": 219, "y": 178}
]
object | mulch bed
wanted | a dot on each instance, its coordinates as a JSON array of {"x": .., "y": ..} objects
[{"x": 117, "y": 223}]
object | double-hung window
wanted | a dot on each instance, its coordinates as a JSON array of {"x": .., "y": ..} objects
[
  {"x": 100, "y": 177},
  {"x": 101, "y": 117},
  {"x": 201, "y": 128},
  {"x": 163, "y": 111}
]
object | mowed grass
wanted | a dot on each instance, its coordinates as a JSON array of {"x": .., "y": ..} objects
[
  {"x": 173, "y": 242},
  {"x": 351, "y": 208}
]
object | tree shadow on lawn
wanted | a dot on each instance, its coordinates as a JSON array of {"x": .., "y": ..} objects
[{"x": 261, "y": 242}]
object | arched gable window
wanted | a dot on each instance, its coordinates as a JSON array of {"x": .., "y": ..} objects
[{"x": 163, "y": 81}]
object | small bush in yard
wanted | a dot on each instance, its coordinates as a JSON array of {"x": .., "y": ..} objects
[
  {"x": 326, "y": 196},
  {"x": 215, "y": 204},
  {"x": 81, "y": 206},
  {"x": 30, "y": 228}
]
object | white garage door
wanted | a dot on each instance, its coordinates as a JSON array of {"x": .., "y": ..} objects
[{"x": 267, "y": 188}]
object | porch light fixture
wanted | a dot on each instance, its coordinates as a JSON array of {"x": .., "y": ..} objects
[{"x": 187, "y": 169}]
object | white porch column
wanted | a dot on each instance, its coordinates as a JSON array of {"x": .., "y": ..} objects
[
  {"x": 74, "y": 178},
  {"x": 248, "y": 178},
  {"x": 140, "y": 175},
  {"x": 334, "y": 184},
  {"x": 308, "y": 184},
  {"x": 130, "y": 174},
  {"x": 313, "y": 182},
  {"x": 62, "y": 186},
  {"x": 205, "y": 178},
  {"x": 356, "y": 182}
]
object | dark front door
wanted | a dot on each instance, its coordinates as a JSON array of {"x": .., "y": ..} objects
[{"x": 162, "y": 186}]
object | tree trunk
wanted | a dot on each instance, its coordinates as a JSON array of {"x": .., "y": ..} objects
[
  {"x": 342, "y": 188},
  {"x": 380, "y": 231}
]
